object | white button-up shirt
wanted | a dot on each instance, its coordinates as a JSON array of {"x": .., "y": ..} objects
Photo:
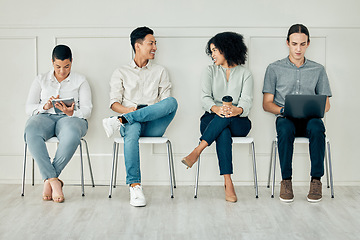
[
  {"x": 131, "y": 85},
  {"x": 46, "y": 85}
]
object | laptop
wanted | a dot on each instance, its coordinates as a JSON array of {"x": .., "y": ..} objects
[{"x": 305, "y": 106}]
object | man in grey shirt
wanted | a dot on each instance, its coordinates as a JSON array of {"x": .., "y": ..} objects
[{"x": 297, "y": 75}]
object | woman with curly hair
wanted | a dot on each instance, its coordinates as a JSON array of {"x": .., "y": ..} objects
[{"x": 227, "y": 95}]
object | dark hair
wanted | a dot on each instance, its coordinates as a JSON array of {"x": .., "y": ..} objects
[
  {"x": 298, "y": 28},
  {"x": 231, "y": 45},
  {"x": 139, "y": 34},
  {"x": 61, "y": 52}
]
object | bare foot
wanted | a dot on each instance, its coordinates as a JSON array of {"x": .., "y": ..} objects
[
  {"x": 57, "y": 193},
  {"x": 47, "y": 191},
  {"x": 190, "y": 159}
]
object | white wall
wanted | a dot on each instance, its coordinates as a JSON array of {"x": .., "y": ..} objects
[{"x": 98, "y": 32}]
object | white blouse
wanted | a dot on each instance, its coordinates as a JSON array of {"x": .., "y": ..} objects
[{"x": 46, "y": 85}]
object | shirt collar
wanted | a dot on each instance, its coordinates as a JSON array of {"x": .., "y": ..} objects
[
  {"x": 289, "y": 62},
  {"x": 134, "y": 66},
  {"x": 231, "y": 69}
]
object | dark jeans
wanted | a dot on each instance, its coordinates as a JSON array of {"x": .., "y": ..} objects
[
  {"x": 214, "y": 128},
  {"x": 314, "y": 129}
]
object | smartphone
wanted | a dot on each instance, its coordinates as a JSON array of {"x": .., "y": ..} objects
[{"x": 141, "y": 106}]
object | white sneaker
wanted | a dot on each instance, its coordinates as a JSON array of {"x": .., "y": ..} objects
[
  {"x": 111, "y": 125},
  {"x": 137, "y": 198}
]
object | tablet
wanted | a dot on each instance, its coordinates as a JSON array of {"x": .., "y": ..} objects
[{"x": 67, "y": 101}]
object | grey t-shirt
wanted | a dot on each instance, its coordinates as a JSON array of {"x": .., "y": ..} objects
[{"x": 283, "y": 78}]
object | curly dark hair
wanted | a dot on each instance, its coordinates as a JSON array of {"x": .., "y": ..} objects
[{"x": 230, "y": 44}]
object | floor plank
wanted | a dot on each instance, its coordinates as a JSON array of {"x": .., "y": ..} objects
[{"x": 95, "y": 216}]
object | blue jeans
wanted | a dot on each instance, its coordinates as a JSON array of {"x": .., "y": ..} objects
[
  {"x": 41, "y": 127},
  {"x": 214, "y": 128},
  {"x": 314, "y": 129},
  {"x": 150, "y": 121}
]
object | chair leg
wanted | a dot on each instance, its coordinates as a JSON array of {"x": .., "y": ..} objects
[
  {"x": 271, "y": 159},
  {"x": 170, "y": 170},
  {"x": 274, "y": 168},
  {"x": 82, "y": 171},
  {"x": 254, "y": 169},
  {"x": 24, "y": 171},
  {"x": 116, "y": 165},
  {"x": 116, "y": 145},
  {"x": 327, "y": 169},
  {"x": 330, "y": 170},
  {"x": 33, "y": 172},
  {"x": 88, "y": 157},
  {"x": 172, "y": 164},
  {"x": 197, "y": 177}
]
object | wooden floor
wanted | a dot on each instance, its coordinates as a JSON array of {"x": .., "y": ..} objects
[{"x": 95, "y": 216}]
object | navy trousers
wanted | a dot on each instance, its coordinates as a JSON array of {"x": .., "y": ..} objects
[
  {"x": 214, "y": 128},
  {"x": 314, "y": 129}
]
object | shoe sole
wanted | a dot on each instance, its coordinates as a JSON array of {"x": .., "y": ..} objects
[
  {"x": 108, "y": 131},
  {"x": 185, "y": 163},
  {"x": 286, "y": 200},
  {"x": 313, "y": 200},
  {"x": 137, "y": 204}
]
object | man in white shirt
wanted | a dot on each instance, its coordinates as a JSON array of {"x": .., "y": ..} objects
[
  {"x": 69, "y": 125},
  {"x": 140, "y": 92}
]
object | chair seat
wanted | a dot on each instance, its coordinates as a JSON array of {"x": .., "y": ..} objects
[
  {"x": 52, "y": 140},
  {"x": 304, "y": 140},
  {"x": 152, "y": 140},
  {"x": 242, "y": 140}
]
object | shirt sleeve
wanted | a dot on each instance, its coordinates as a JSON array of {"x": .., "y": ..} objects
[
  {"x": 116, "y": 87},
  {"x": 85, "y": 104},
  {"x": 33, "y": 102},
  {"x": 323, "y": 85},
  {"x": 207, "y": 99},
  {"x": 246, "y": 95},
  {"x": 269, "y": 81},
  {"x": 164, "y": 85}
]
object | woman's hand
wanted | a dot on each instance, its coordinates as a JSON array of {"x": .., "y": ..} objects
[
  {"x": 65, "y": 109},
  {"x": 49, "y": 104},
  {"x": 218, "y": 110},
  {"x": 231, "y": 111}
]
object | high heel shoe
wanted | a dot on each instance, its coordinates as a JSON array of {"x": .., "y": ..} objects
[
  {"x": 192, "y": 155},
  {"x": 232, "y": 198},
  {"x": 186, "y": 163},
  {"x": 59, "y": 198}
]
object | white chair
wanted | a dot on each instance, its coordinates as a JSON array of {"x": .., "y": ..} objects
[
  {"x": 236, "y": 140},
  {"x": 56, "y": 140},
  {"x": 143, "y": 140},
  {"x": 328, "y": 167}
]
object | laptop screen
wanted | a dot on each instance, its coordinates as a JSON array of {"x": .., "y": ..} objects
[{"x": 305, "y": 106}]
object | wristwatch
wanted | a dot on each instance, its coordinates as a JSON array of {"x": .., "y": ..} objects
[{"x": 282, "y": 111}]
